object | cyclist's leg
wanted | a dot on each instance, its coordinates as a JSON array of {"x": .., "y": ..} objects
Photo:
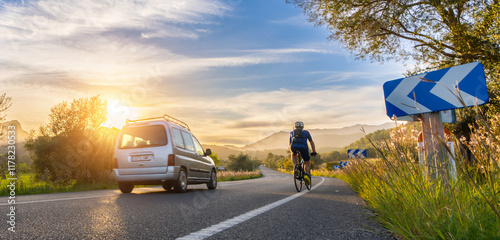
[
  {"x": 306, "y": 157},
  {"x": 294, "y": 156}
]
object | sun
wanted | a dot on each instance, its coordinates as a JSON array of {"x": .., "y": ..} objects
[{"x": 118, "y": 113}]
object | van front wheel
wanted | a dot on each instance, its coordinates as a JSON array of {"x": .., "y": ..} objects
[
  {"x": 125, "y": 187},
  {"x": 181, "y": 184},
  {"x": 213, "y": 180}
]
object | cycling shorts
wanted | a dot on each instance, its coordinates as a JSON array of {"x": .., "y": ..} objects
[{"x": 304, "y": 152}]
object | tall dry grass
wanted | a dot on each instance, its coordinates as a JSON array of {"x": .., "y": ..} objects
[{"x": 413, "y": 207}]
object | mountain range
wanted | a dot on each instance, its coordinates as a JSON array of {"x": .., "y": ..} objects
[{"x": 326, "y": 140}]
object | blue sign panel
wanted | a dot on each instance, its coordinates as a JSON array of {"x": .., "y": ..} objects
[
  {"x": 356, "y": 153},
  {"x": 436, "y": 91}
]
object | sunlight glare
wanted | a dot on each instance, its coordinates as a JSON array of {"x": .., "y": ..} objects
[{"x": 118, "y": 113}]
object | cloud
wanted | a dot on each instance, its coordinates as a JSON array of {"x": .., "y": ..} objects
[
  {"x": 297, "y": 20},
  {"x": 59, "y": 18},
  {"x": 255, "y": 115}
]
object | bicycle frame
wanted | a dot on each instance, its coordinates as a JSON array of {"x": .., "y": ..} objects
[{"x": 298, "y": 174}]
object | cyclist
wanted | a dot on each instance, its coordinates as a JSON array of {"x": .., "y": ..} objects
[{"x": 298, "y": 142}]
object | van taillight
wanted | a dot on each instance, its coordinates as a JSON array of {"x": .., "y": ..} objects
[
  {"x": 116, "y": 163},
  {"x": 171, "y": 160}
]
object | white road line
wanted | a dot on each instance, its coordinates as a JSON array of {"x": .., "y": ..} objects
[{"x": 214, "y": 229}]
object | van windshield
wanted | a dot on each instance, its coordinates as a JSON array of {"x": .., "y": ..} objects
[{"x": 142, "y": 137}]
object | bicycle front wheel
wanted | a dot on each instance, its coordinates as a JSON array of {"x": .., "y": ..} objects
[{"x": 297, "y": 179}]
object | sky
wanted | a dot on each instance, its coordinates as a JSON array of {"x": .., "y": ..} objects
[{"x": 236, "y": 71}]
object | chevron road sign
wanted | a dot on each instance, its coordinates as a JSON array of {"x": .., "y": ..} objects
[
  {"x": 356, "y": 153},
  {"x": 436, "y": 91}
]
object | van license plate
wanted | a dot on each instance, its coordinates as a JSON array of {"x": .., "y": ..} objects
[{"x": 142, "y": 158}]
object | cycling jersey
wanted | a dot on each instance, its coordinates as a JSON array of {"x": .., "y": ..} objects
[{"x": 300, "y": 144}]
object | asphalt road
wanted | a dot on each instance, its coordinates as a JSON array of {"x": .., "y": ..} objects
[{"x": 264, "y": 208}]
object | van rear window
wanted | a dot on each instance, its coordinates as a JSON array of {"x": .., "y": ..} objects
[{"x": 142, "y": 137}]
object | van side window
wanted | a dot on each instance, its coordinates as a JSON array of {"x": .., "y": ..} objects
[
  {"x": 178, "y": 138},
  {"x": 188, "y": 141},
  {"x": 198, "y": 147}
]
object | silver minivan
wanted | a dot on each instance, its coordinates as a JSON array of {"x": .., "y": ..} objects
[{"x": 161, "y": 151}]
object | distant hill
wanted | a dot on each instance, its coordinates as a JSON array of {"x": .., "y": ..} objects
[
  {"x": 21, "y": 135},
  {"x": 326, "y": 140}
]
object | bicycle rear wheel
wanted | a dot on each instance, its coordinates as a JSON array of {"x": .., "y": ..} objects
[{"x": 297, "y": 178}]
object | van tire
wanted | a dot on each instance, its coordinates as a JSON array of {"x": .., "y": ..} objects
[
  {"x": 213, "y": 180},
  {"x": 181, "y": 184},
  {"x": 125, "y": 187}
]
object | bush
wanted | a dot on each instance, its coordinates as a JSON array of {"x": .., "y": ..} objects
[{"x": 242, "y": 162}]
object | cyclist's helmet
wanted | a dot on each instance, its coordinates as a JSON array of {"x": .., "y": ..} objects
[{"x": 299, "y": 124}]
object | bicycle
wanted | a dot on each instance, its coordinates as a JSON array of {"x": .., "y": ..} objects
[{"x": 298, "y": 174}]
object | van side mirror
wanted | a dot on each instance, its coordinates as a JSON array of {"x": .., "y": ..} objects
[{"x": 208, "y": 152}]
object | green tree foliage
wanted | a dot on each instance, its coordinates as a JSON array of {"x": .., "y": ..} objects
[
  {"x": 216, "y": 158},
  {"x": 433, "y": 34},
  {"x": 278, "y": 161},
  {"x": 316, "y": 161},
  {"x": 242, "y": 162},
  {"x": 380, "y": 137},
  {"x": 73, "y": 145}
]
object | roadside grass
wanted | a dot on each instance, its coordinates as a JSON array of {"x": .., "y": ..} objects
[
  {"x": 414, "y": 207},
  {"x": 26, "y": 184},
  {"x": 224, "y": 176}
]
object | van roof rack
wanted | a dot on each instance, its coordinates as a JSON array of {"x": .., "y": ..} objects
[{"x": 164, "y": 117}]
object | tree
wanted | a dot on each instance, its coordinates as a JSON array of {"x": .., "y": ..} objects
[
  {"x": 316, "y": 162},
  {"x": 216, "y": 158},
  {"x": 432, "y": 33},
  {"x": 73, "y": 145},
  {"x": 241, "y": 162},
  {"x": 435, "y": 33},
  {"x": 83, "y": 114},
  {"x": 278, "y": 161}
]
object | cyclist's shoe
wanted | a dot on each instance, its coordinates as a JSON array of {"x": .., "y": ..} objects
[{"x": 307, "y": 178}]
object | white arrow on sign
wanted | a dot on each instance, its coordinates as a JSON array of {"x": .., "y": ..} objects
[
  {"x": 399, "y": 96},
  {"x": 451, "y": 79}
]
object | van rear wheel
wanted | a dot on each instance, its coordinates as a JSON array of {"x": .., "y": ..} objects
[
  {"x": 125, "y": 187},
  {"x": 181, "y": 184}
]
